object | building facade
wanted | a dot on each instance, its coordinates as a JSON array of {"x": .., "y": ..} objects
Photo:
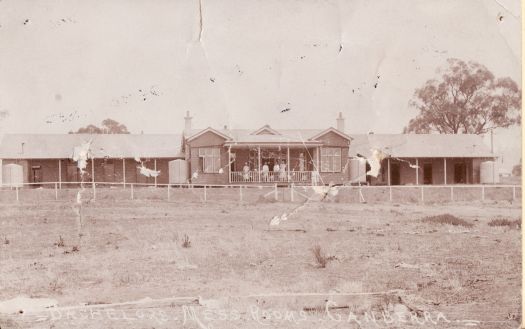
[{"x": 251, "y": 156}]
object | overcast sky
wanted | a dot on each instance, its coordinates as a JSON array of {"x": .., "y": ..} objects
[{"x": 65, "y": 64}]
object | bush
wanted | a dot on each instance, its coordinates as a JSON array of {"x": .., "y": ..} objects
[
  {"x": 186, "y": 243},
  {"x": 320, "y": 258},
  {"x": 60, "y": 242},
  {"x": 506, "y": 222},
  {"x": 447, "y": 219}
]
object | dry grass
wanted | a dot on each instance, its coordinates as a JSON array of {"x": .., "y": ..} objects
[
  {"x": 516, "y": 224},
  {"x": 233, "y": 253},
  {"x": 447, "y": 219}
]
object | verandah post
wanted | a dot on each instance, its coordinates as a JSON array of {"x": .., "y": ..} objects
[
  {"x": 60, "y": 172},
  {"x": 205, "y": 193},
  {"x": 276, "y": 196},
  {"x": 56, "y": 191},
  {"x": 124, "y": 172},
  {"x": 131, "y": 188},
  {"x": 168, "y": 192},
  {"x": 155, "y": 168}
]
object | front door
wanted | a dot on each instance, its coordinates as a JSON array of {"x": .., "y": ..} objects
[
  {"x": 109, "y": 172},
  {"x": 37, "y": 174},
  {"x": 394, "y": 170},
  {"x": 460, "y": 173},
  {"x": 427, "y": 173}
]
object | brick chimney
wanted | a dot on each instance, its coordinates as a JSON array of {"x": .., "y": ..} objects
[
  {"x": 341, "y": 122},
  {"x": 187, "y": 123}
]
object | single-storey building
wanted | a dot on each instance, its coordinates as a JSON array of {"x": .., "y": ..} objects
[
  {"x": 263, "y": 155},
  {"x": 113, "y": 158}
]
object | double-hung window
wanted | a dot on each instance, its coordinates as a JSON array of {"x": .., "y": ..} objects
[
  {"x": 330, "y": 159},
  {"x": 210, "y": 159}
]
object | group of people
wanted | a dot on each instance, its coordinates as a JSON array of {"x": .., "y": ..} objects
[{"x": 279, "y": 172}]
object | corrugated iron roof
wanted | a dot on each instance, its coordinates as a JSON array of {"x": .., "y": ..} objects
[
  {"x": 421, "y": 145},
  {"x": 60, "y": 146}
]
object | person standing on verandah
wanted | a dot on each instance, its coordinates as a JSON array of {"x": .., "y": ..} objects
[
  {"x": 275, "y": 170},
  {"x": 246, "y": 172},
  {"x": 265, "y": 172},
  {"x": 282, "y": 171}
]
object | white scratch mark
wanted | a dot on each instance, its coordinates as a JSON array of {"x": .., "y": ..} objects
[
  {"x": 26, "y": 305},
  {"x": 375, "y": 162},
  {"x": 200, "y": 20},
  {"x": 81, "y": 154},
  {"x": 148, "y": 172}
]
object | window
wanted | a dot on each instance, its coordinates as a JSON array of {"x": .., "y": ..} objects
[
  {"x": 330, "y": 159},
  {"x": 210, "y": 159}
]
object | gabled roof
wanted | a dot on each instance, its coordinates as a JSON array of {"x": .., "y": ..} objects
[
  {"x": 194, "y": 135},
  {"x": 266, "y": 128},
  {"x": 421, "y": 145},
  {"x": 60, "y": 146},
  {"x": 283, "y": 136},
  {"x": 333, "y": 130}
]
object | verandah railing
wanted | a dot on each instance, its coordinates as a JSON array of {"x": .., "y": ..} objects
[{"x": 271, "y": 176}]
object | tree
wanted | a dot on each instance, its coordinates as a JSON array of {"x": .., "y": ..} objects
[
  {"x": 466, "y": 99},
  {"x": 109, "y": 126}
]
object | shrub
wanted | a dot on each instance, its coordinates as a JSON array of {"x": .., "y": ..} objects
[
  {"x": 60, "y": 242},
  {"x": 320, "y": 257},
  {"x": 447, "y": 219},
  {"x": 506, "y": 222},
  {"x": 186, "y": 243}
]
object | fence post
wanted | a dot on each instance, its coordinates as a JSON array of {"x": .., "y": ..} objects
[
  {"x": 205, "y": 193},
  {"x": 131, "y": 189},
  {"x": 291, "y": 192},
  {"x": 94, "y": 191},
  {"x": 390, "y": 193},
  {"x": 16, "y": 189},
  {"x": 451, "y": 193},
  {"x": 482, "y": 193},
  {"x": 56, "y": 191},
  {"x": 513, "y": 193},
  {"x": 168, "y": 192},
  {"x": 276, "y": 195}
]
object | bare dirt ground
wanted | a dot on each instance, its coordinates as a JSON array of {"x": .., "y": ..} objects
[{"x": 122, "y": 264}]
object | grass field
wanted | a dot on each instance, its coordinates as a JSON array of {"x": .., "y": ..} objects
[{"x": 154, "y": 264}]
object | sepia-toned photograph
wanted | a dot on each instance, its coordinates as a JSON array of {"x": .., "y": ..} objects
[{"x": 209, "y": 164}]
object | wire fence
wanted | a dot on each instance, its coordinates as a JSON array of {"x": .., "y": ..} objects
[{"x": 78, "y": 191}]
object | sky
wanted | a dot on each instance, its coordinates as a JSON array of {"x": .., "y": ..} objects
[{"x": 66, "y": 64}]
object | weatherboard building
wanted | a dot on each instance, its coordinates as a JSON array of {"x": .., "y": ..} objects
[{"x": 249, "y": 156}]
